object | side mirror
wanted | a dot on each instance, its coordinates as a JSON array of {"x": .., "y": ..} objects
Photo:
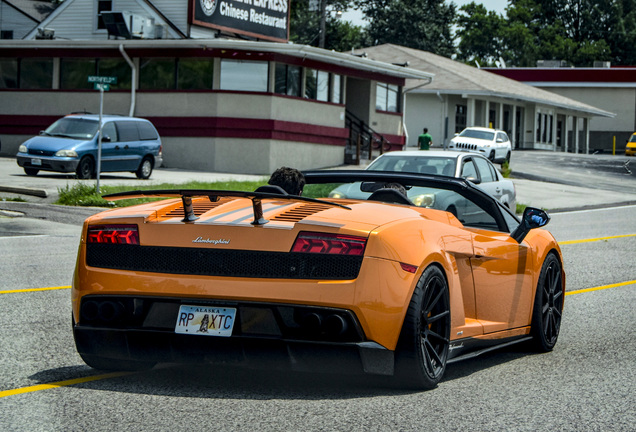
[
  {"x": 105, "y": 138},
  {"x": 532, "y": 218},
  {"x": 473, "y": 180}
]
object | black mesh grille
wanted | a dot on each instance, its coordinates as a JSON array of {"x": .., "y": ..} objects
[
  {"x": 41, "y": 152},
  {"x": 214, "y": 262}
]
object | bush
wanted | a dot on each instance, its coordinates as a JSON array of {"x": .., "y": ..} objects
[{"x": 81, "y": 194}]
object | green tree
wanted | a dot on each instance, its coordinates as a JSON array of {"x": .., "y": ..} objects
[
  {"x": 479, "y": 34},
  {"x": 419, "y": 24},
  {"x": 339, "y": 36},
  {"x": 569, "y": 30}
]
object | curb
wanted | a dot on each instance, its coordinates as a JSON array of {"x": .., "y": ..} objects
[{"x": 25, "y": 191}]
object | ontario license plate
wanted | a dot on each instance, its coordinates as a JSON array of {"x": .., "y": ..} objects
[
  {"x": 37, "y": 162},
  {"x": 205, "y": 320}
]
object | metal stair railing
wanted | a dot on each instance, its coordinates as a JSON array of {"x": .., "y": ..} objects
[{"x": 362, "y": 141}]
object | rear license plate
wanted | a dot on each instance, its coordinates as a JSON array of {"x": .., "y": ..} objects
[
  {"x": 205, "y": 320},
  {"x": 36, "y": 162}
]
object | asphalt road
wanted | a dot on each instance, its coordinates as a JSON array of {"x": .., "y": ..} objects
[{"x": 585, "y": 384}]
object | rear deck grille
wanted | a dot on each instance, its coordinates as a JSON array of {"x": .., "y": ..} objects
[
  {"x": 299, "y": 213},
  {"x": 215, "y": 262}
]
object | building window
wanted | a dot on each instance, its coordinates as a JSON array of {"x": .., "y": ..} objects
[
  {"x": 287, "y": 80},
  {"x": 103, "y": 6},
  {"x": 317, "y": 85},
  {"x": 8, "y": 73},
  {"x": 241, "y": 75},
  {"x": 194, "y": 74},
  {"x": 157, "y": 74},
  {"x": 74, "y": 73},
  {"x": 36, "y": 73},
  {"x": 6, "y": 34},
  {"x": 336, "y": 89},
  {"x": 460, "y": 118},
  {"x": 386, "y": 98},
  {"x": 322, "y": 86},
  {"x": 115, "y": 67}
]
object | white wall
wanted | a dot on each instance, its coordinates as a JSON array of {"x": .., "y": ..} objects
[
  {"x": 621, "y": 101},
  {"x": 12, "y": 19},
  {"x": 424, "y": 110}
]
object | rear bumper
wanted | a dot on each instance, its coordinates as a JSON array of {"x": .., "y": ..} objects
[{"x": 258, "y": 353}]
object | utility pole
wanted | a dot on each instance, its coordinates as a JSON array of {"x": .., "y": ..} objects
[{"x": 323, "y": 23}]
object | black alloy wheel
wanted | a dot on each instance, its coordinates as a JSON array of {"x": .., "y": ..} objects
[
  {"x": 548, "y": 305},
  {"x": 423, "y": 347},
  {"x": 86, "y": 168}
]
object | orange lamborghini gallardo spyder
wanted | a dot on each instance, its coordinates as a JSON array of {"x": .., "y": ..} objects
[{"x": 266, "y": 279}]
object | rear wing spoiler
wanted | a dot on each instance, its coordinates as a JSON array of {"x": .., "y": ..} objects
[{"x": 186, "y": 196}]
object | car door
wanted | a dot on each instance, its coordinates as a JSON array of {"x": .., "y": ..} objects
[
  {"x": 110, "y": 146},
  {"x": 502, "y": 285},
  {"x": 128, "y": 151},
  {"x": 488, "y": 180},
  {"x": 502, "y": 145}
]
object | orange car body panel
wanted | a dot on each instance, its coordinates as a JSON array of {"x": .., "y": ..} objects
[{"x": 491, "y": 278}]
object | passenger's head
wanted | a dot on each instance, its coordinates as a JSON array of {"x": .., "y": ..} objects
[
  {"x": 290, "y": 179},
  {"x": 397, "y": 186}
]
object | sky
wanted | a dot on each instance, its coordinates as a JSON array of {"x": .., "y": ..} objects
[{"x": 498, "y": 6}]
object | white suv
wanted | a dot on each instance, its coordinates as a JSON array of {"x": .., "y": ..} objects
[{"x": 491, "y": 143}]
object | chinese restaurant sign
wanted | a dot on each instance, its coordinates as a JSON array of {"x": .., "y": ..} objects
[{"x": 263, "y": 19}]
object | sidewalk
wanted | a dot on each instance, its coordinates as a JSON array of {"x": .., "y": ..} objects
[
  {"x": 548, "y": 195},
  {"x": 556, "y": 197}
]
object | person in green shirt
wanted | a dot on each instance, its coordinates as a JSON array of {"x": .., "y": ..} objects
[{"x": 425, "y": 140}]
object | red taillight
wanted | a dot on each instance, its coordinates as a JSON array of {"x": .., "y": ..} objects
[
  {"x": 122, "y": 234},
  {"x": 339, "y": 244}
]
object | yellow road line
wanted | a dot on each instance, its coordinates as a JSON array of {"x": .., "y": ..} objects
[
  {"x": 568, "y": 242},
  {"x": 34, "y": 289},
  {"x": 39, "y": 387},
  {"x": 61, "y": 383},
  {"x": 601, "y": 287}
]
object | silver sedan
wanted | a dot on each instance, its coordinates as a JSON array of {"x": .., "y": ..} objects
[{"x": 470, "y": 166}]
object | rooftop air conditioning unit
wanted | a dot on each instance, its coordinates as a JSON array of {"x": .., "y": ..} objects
[
  {"x": 128, "y": 25},
  {"x": 45, "y": 33},
  {"x": 602, "y": 64},
  {"x": 551, "y": 63}
]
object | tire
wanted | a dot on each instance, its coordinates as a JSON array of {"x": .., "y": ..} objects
[
  {"x": 108, "y": 364},
  {"x": 145, "y": 169},
  {"x": 507, "y": 158},
  {"x": 31, "y": 171},
  {"x": 423, "y": 345},
  {"x": 548, "y": 305},
  {"x": 86, "y": 168},
  {"x": 491, "y": 156}
]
